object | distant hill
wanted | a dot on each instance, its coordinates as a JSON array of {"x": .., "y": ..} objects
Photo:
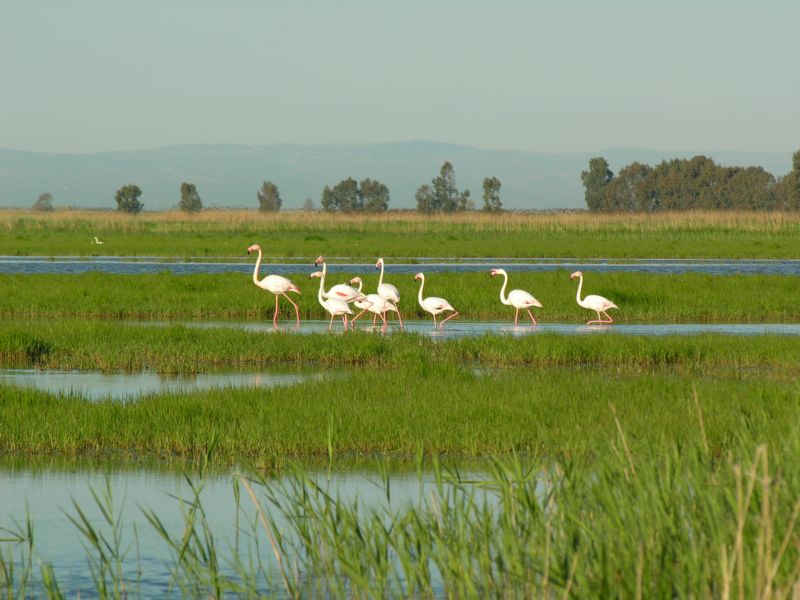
[{"x": 230, "y": 175}]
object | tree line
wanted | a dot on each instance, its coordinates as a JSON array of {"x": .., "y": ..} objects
[{"x": 683, "y": 184}]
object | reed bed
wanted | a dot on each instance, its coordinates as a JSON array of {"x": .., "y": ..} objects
[
  {"x": 730, "y": 234},
  {"x": 642, "y": 298},
  {"x": 633, "y": 522},
  {"x": 112, "y": 346}
]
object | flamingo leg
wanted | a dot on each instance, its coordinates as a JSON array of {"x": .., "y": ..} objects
[
  {"x": 441, "y": 325},
  {"x": 434, "y": 321},
  {"x": 385, "y": 322},
  {"x": 353, "y": 322},
  {"x": 399, "y": 318},
  {"x": 330, "y": 324},
  {"x": 598, "y": 321},
  {"x": 277, "y": 312},
  {"x": 374, "y": 319},
  {"x": 293, "y": 303},
  {"x": 344, "y": 318},
  {"x": 516, "y": 316},
  {"x": 531, "y": 316},
  {"x": 610, "y": 320}
]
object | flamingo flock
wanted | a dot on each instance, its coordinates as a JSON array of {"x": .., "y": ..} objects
[{"x": 337, "y": 299}]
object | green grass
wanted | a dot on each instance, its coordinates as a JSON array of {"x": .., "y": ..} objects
[
  {"x": 229, "y": 233},
  {"x": 642, "y": 298}
]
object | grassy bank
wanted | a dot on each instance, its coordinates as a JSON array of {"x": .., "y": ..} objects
[
  {"x": 111, "y": 346},
  {"x": 294, "y": 234},
  {"x": 642, "y": 298}
]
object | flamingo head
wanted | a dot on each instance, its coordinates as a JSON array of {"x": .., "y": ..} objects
[
  {"x": 320, "y": 259},
  {"x": 316, "y": 274},
  {"x": 494, "y": 272},
  {"x": 418, "y": 276},
  {"x": 379, "y": 263},
  {"x": 253, "y": 248},
  {"x": 576, "y": 274},
  {"x": 356, "y": 280}
]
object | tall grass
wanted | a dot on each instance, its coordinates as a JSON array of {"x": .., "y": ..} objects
[
  {"x": 642, "y": 298},
  {"x": 403, "y": 233}
]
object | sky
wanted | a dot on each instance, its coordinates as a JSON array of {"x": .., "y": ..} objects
[{"x": 547, "y": 76}]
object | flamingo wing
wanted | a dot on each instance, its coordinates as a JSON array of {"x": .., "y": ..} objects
[
  {"x": 595, "y": 302},
  {"x": 389, "y": 292},
  {"x": 522, "y": 299},
  {"x": 277, "y": 284}
]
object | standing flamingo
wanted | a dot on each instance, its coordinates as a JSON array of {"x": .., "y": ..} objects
[
  {"x": 340, "y": 291},
  {"x": 388, "y": 292},
  {"x": 516, "y": 298},
  {"x": 275, "y": 284},
  {"x": 596, "y": 303},
  {"x": 434, "y": 305},
  {"x": 335, "y": 306},
  {"x": 374, "y": 304}
]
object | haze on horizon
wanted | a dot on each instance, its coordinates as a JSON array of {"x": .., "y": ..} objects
[{"x": 546, "y": 76}]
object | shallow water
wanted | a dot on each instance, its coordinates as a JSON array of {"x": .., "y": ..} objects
[
  {"x": 456, "y": 328},
  {"x": 47, "y": 495},
  {"x": 128, "y": 386},
  {"x": 138, "y": 265}
]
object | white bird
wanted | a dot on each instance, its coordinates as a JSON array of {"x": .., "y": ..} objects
[
  {"x": 374, "y": 304},
  {"x": 275, "y": 284},
  {"x": 96, "y": 241},
  {"x": 596, "y": 303},
  {"x": 516, "y": 298},
  {"x": 388, "y": 292},
  {"x": 335, "y": 306},
  {"x": 340, "y": 291},
  {"x": 434, "y": 305}
]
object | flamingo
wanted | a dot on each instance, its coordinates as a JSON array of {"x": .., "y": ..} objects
[
  {"x": 434, "y": 305},
  {"x": 275, "y": 284},
  {"x": 516, "y": 298},
  {"x": 341, "y": 291},
  {"x": 374, "y": 304},
  {"x": 388, "y": 292},
  {"x": 96, "y": 241},
  {"x": 596, "y": 303},
  {"x": 335, "y": 306}
]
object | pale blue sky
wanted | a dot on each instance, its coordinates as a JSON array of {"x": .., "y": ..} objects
[{"x": 552, "y": 76}]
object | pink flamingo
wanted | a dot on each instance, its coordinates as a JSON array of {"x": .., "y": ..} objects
[
  {"x": 516, "y": 298},
  {"x": 374, "y": 304},
  {"x": 335, "y": 306},
  {"x": 434, "y": 305},
  {"x": 388, "y": 292},
  {"x": 340, "y": 291},
  {"x": 596, "y": 303},
  {"x": 275, "y": 284}
]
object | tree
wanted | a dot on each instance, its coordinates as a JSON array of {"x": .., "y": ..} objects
[
  {"x": 308, "y": 205},
  {"x": 374, "y": 195},
  {"x": 424, "y": 198},
  {"x": 127, "y": 198},
  {"x": 595, "y": 181},
  {"x": 346, "y": 197},
  {"x": 327, "y": 201},
  {"x": 269, "y": 198},
  {"x": 190, "y": 199},
  {"x": 491, "y": 195},
  {"x": 44, "y": 203}
]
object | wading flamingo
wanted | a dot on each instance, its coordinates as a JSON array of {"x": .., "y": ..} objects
[
  {"x": 434, "y": 305},
  {"x": 374, "y": 304},
  {"x": 335, "y": 306},
  {"x": 516, "y": 298},
  {"x": 388, "y": 292},
  {"x": 596, "y": 303},
  {"x": 340, "y": 291},
  {"x": 275, "y": 284}
]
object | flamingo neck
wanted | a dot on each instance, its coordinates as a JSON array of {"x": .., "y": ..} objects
[
  {"x": 380, "y": 279},
  {"x": 320, "y": 294},
  {"x": 360, "y": 283},
  {"x": 421, "y": 285},
  {"x": 258, "y": 266},
  {"x": 504, "y": 300},
  {"x": 578, "y": 294}
]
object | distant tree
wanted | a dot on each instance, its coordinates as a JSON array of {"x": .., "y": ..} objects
[
  {"x": 424, "y": 198},
  {"x": 190, "y": 199},
  {"x": 308, "y": 205},
  {"x": 374, "y": 195},
  {"x": 269, "y": 198},
  {"x": 595, "y": 181},
  {"x": 127, "y": 198},
  {"x": 789, "y": 187},
  {"x": 44, "y": 203},
  {"x": 346, "y": 196},
  {"x": 491, "y": 195},
  {"x": 327, "y": 202}
]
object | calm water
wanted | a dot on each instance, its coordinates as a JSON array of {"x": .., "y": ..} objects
[
  {"x": 136, "y": 265},
  {"x": 128, "y": 386},
  {"x": 457, "y": 328},
  {"x": 47, "y": 495}
]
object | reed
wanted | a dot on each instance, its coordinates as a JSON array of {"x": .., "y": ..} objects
[
  {"x": 729, "y": 234},
  {"x": 642, "y": 297}
]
